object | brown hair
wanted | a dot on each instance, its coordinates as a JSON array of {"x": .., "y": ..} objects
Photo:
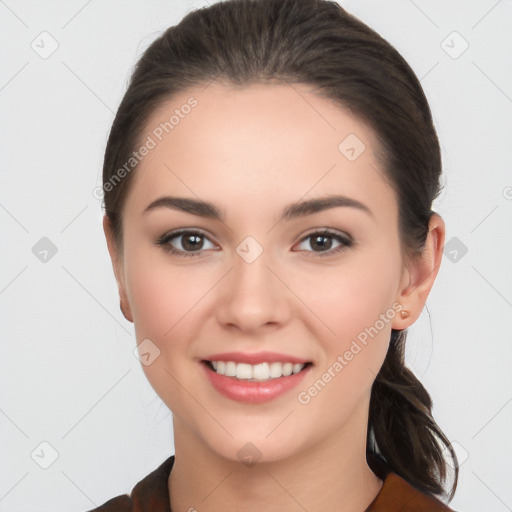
[{"x": 314, "y": 42}]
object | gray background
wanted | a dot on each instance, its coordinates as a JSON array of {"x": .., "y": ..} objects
[{"x": 69, "y": 378}]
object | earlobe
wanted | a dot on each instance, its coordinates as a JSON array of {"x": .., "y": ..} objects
[
  {"x": 117, "y": 267},
  {"x": 127, "y": 313},
  {"x": 421, "y": 271}
]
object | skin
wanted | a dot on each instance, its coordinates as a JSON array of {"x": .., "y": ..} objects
[{"x": 251, "y": 151}]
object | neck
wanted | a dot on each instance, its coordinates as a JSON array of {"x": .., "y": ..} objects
[{"x": 330, "y": 476}]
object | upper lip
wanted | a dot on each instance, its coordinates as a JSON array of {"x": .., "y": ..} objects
[{"x": 256, "y": 357}]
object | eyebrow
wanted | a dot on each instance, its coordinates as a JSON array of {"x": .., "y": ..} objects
[{"x": 291, "y": 211}]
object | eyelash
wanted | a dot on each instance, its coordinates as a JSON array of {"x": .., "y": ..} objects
[{"x": 164, "y": 242}]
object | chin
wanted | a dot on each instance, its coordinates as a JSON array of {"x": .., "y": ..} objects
[
  {"x": 253, "y": 452},
  {"x": 251, "y": 445}
]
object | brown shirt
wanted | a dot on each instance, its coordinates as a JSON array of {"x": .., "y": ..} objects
[{"x": 396, "y": 494}]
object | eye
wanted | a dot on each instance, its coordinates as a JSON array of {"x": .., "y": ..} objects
[
  {"x": 192, "y": 242},
  {"x": 324, "y": 241},
  {"x": 189, "y": 242}
]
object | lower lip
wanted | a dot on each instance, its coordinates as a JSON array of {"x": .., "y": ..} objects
[{"x": 253, "y": 392}]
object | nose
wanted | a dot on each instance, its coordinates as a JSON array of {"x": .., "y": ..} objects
[{"x": 253, "y": 297}]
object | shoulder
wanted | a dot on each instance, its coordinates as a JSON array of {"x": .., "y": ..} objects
[
  {"x": 398, "y": 494},
  {"x": 149, "y": 494}
]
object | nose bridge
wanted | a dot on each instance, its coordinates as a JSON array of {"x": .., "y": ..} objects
[{"x": 253, "y": 296}]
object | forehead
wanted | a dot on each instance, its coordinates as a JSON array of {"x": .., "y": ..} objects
[{"x": 271, "y": 139}]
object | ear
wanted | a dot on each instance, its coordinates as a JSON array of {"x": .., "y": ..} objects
[
  {"x": 420, "y": 274},
  {"x": 117, "y": 265}
]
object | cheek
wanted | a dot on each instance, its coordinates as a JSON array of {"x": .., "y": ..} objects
[
  {"x": 152, "y": 304},
  {"x": 358, "y": 308},
  {"x": 160, "y": 298},
  {"x": 348, "y": 299},
  {"x": 159, "y": 295},
  {"x": 166, "y": 302}
]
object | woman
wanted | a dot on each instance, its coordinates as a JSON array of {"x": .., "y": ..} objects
[{"x": 268, "y": 183}]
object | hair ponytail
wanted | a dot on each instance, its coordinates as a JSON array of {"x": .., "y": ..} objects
[{"x": 401, "y": 427}]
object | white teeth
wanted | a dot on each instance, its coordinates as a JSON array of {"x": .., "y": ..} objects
[
  {"x": 230, "y": 369},
  {"x": 287, "y": 369},
  {"x": 243, "y": 371},
  {"x": 256, "y": 372},
  {"x": 297, "y": 368},
  {"x": 276, "y": 370},
  {"x": 261, "y": 371}
]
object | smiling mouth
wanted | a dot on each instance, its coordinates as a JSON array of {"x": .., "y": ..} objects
[{"x": 261, "y": 372}]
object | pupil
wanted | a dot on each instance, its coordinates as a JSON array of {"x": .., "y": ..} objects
[
  {"x": 192, "y": 242},
  {"x": 323, "y": 245}
]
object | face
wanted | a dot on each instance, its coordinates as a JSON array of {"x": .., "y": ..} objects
[{"x": 229, "y": 272}]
